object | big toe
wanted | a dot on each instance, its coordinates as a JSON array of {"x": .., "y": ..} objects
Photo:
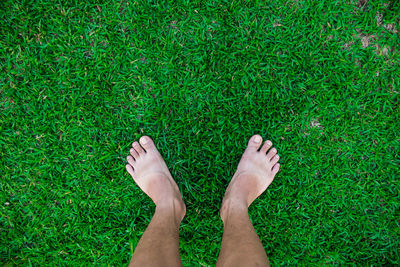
[
  {"x": 147, "y": 143},
  {"x": 254, "y": 143}
]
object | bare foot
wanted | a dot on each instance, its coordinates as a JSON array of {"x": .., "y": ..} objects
[
  {"x": 151, "y": 174},
  {"x": 255, "y": 172}
]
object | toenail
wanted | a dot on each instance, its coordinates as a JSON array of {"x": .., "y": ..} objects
[
  {"x": 257, "y": 139},
  {"x": 269, "y": 143},
  {"x": 144, "y": 140}
]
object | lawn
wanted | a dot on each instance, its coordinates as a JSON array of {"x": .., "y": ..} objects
[{"x": 81, "y": 81}]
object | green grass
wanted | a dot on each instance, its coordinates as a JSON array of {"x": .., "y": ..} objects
[{"x": 80, "y": 82}]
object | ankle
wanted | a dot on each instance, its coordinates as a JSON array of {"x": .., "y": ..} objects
[
  {"x": 174, "y": 207},
  {"x": 232, "y": 206}
]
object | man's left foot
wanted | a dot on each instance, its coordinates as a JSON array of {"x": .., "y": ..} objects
[{"x": 151, "y": 174}]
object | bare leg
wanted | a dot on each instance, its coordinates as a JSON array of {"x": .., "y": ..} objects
[
  {"x": 159, "y": 245},
  {"x": 241, "y": 245}
]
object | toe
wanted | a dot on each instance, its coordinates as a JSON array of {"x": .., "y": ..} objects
[
  {"x": 271, "y": 153},
  {"x": 267, "y": 145},
  {"x": 130, "y": 160},
  {"x": 274, "y": 160},
  {"x": 147, "y": 143},
  {"x": 276, "y": 168},
  {"x": 134, "y": 154},
  {"x": 130, "y": 170},
  {"x": 254, "y": 143},
  {"x": 138, "y": 148}
]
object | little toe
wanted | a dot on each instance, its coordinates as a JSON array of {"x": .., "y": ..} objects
[
  {"x": 134, "y": 154},
  {"x": 271, "y": 153},
  {"x": 147, "y": 143},
  {"x": 130, "y": 160},
  {"x": 130, "y": 170},
  {"x": 274, "y": 160},
  {"x": 138, "y": 148},
  {"x": 276, "y": 168},
  {"x": 254, "y": 143},
  {"x": 267, "y": 145}
]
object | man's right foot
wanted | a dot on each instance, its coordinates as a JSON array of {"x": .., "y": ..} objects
[{"x": 255, "y": 172}]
